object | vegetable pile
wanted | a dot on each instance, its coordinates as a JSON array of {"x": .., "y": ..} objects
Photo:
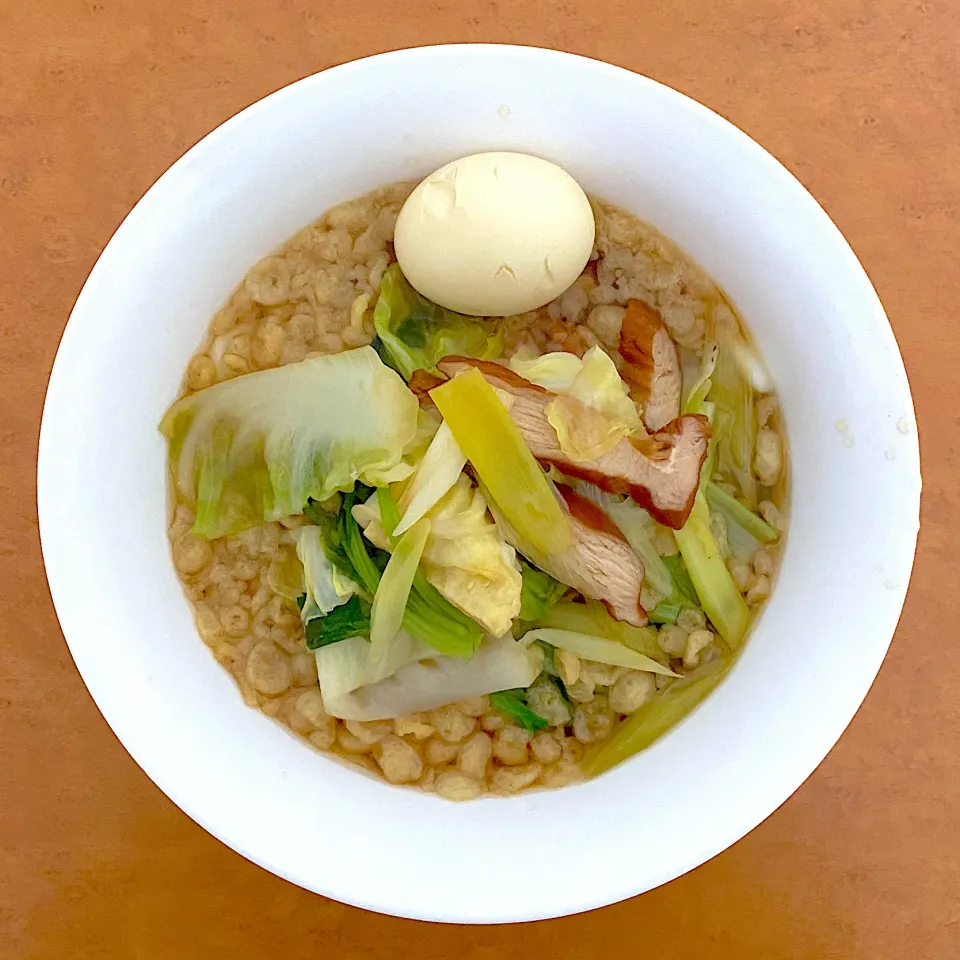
[{"x": 466, "y": 525}]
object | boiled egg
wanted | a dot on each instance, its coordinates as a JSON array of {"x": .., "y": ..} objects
[{"x": 495, "y": 234}]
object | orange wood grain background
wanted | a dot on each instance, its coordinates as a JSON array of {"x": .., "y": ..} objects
[{"x": 860, "y": 99}]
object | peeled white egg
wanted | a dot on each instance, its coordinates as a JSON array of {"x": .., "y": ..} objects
[{"x": 495, "y": 234}]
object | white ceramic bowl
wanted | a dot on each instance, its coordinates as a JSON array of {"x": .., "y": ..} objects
[{"x": 247, "y": 187}]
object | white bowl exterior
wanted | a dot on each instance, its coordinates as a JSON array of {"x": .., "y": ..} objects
[{"x": 806, "y": 668}]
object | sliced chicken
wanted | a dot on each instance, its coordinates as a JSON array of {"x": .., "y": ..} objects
[
  {"x": 599, "y": 562},
  {"x": 651, "y": 366},
  {"x": 661, "y": 472},
  {"x": 421, "y": 383}
]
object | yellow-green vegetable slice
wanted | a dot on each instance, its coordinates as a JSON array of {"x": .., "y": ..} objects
[
  {"x": 598, "y": 649},
  {"x": 743, "y": 516},
  {"x": 393, "y": 591},
  {"x": 654, "y": 718},
  {"x": 504, "y": 464},
  {"x": 592, "y": 618},
  {"x": 436, "y": 474},
  {"x": 721, "y": 600}
]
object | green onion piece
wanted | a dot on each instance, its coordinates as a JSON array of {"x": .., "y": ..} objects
[
  {"x": 743, "y": 516},
  {"x": 666, "y": 611},
  {"x": 513, "y": 704},
  {"x": 654, "y": 718},
  {"x": 718, "y": 594}
]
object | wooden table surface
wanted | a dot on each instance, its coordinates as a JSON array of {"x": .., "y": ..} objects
[{"x": 859, "y": 98}]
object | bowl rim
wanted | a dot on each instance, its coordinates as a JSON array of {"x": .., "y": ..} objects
[{"x": 46, "y": 467}]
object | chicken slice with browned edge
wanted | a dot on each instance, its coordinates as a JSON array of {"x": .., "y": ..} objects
[
  {"x": 651, "y": 366},
  {"x": 661, "y": 472},
  {"x": 598, "y": 562}
]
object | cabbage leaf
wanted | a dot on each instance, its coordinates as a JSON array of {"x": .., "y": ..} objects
[
  {"x": 415, "y": 333},
  {"x": 325, "y": 586},
  {"x": 428, "y": 615},
  {"x": 465, "y": 558},
  {"x": 593, "y": 411},
  {"x": 436, "y": 473},
  {"x": 412, "y": 677},
  {"x": 259, "y": 446}
]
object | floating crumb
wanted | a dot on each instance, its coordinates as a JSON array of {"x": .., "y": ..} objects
[
  {"x": 903, "y": 425},
  {"x": 843, "y": 428},
  {"x": 504, "y": 110}
]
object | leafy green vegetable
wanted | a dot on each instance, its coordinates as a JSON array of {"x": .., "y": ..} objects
[
  {"x": 393, "y": 591},
  {"x": 592, "y": 618},
  {"x": 552, "y": 371},
  {"x": 259, "y": 446},
  {"x": 638, "y": 527},
  {"x": 503, "y": 462},
  {"x": 415, "y": 333},
  {"x": 346, "y": 668},
  {"x": 666, "y": 611},
  {"x": 330, "y": 539},
  {"x": 683, "y": 589},
  {"x": 714, "y": 585},
  {"x": 433, "y": 618},
  {"x": 734, "y": 421},
  {"x": 741, "y": 515},
  {"x": 350, "y": 619},
  {"x": 428, "y": 615},
  {"x": 538, "y": 593},
  {"x": 354, "y": 548},
  {"x": 596, "y": 648},
  {"x": 513, "y": 704},
  {"x": 325, "y": 586},
  {"x": 694, "y": 399},
  {"x": 654, "y": 718},
  {"x": 389, "y": 513}
]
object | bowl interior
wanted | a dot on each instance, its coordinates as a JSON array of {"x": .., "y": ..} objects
[{"x": 249, "y": 186}]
